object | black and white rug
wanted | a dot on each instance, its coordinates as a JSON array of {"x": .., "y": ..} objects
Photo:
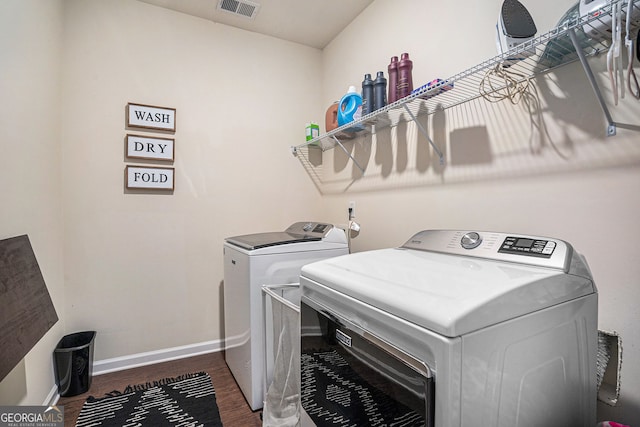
[
  {"x": 188, "y": 400},
  {"x": 335, "y": 395}
]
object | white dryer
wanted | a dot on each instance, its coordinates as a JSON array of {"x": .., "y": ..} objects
[
  {"x": 452, "y": 329},
  {"x": 251, "y": 261}
]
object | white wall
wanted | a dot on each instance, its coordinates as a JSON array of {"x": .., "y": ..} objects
[
  {"x": 505, "y": 180},
  {"x": 145, "y": 270},
  {"x": 31, "y": 195}
]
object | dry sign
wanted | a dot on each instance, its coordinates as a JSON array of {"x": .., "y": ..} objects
[
  {"x": 149, "y": 178},
  {"x": 151, "y": 117},
  {"x": 150, "y": 148}
]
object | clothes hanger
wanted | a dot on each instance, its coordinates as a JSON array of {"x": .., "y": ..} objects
[
  {"x": 628, "y": 41},
  {"x": 613, "y": 56}
]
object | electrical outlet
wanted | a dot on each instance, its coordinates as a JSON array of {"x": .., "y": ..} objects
[{"x": 352, "y": 209}]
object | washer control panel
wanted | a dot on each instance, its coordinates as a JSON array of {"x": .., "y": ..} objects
[
  {"x": 471, "y": 240},
  {"x": 518, "y": 248},
  {"x": 527, "y": 246}
]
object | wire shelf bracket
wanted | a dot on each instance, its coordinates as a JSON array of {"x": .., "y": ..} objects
[
  {"x": 611, "y": 127},
  {"x": 425, "y": 133},
  {"x": 348, "y": 154}
]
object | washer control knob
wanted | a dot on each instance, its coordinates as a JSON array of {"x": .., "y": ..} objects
[
  {"x": 308, "y": 226},
  {"x": 471, "y": 240}
]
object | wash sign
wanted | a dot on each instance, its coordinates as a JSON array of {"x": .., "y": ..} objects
[
  {"x": 144, "y": 147},
  {"x": 151, "y": 117}
]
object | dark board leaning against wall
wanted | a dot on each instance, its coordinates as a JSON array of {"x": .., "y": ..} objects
[{"x": 26, "y": 309}]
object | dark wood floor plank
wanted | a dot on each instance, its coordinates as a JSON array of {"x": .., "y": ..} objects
[{"x": 234, "y": 410}]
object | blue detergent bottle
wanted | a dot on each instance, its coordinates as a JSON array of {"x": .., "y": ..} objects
[{"x": 350, "y": 109}]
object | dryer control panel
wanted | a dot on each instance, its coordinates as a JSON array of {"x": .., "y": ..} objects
[
  {"x": 527, "y": 246},
  {"x": 316, "y": 229},
  {"x": 523, "y": 249}
]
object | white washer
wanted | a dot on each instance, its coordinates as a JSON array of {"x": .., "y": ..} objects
[
  {"x": 464, "y": 328},
  {"x": 251, "y": 261}
]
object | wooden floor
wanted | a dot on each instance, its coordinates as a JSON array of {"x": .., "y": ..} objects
[{"x": 234, "y": 410}]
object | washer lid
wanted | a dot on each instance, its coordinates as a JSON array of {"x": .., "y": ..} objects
[
  {"x": 295, "y": 233},
  {"x": 264, "y": 240},
  {"x": 448, "y": 294}
]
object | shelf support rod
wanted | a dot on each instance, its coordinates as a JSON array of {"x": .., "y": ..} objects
[
  {"x": 611, "y": 128},
  {"x": 425, "y": 133},
  {"x": 347, "y": 153}
]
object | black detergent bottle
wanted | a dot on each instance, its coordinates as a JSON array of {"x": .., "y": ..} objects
[
  {"x": 379, "y": 91},
  {"x": 367, "y": 95}
]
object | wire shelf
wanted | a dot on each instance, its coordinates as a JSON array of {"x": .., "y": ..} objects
[{"x": 592, "y": 33}]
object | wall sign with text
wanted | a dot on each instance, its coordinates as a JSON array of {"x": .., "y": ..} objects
[
  {"x": 150, "y": 148},
  {"x": 149, "y": 178},
  {"x": 151, "y": 117}
]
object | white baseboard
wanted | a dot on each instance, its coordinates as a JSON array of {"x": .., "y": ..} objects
[
  {"x": 52, "y": 397},
  {"x": 152, "y": 357},
  {"x": 142, "y": 359}
]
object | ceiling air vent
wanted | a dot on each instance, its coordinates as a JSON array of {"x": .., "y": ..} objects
[{"x": 242, "y": 8}]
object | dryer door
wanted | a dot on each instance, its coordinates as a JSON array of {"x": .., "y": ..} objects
[{"x": 353, "y": 376}]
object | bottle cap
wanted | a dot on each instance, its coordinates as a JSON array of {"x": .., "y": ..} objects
[{"x": 352, "y": 89}]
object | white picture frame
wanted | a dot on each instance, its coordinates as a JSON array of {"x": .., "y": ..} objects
[
  {"x": 149, "y": 177},
  {"x": 150, "y": 148},
  {"x": 151, "y": 117}
]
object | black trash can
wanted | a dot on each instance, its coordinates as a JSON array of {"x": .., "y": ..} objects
[{"x": 73, "y": 363}]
